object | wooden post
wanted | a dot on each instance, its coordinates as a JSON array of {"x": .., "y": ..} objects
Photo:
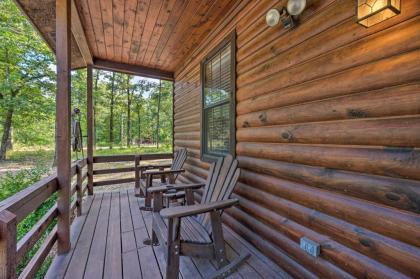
[
  {"x": 79, "y": 188},
  {"x": 90, "y": 129},
  {"x": 137, "y": 190},
  {"x": 173, "y": 118},
  {"x": 63, "y": 36},
  {"x": 7, "y": 245}
]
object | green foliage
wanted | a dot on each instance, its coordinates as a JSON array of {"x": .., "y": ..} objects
[
  {"x": 27, "y": 89},
  {"x": 12, "y": 183},
  {"x": 27, "y": 81}
]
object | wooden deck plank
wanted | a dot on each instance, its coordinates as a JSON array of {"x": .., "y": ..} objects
[
  {"x": 264, "y": 266},
  {"x": 130, "y": 258},
  {"x": 96, "y": 260},
  {"x": 78, "y": 261},
  {"x": 59, "y": 265},
  {"x": 187, "y": 267},
  {"x": 157, "y": 250},
  {"x": 149, "y": 266},
  {"x": 245, "y": 270},
  {"x": 108, "y": 243},
  {"x": 113, "y": 259}
]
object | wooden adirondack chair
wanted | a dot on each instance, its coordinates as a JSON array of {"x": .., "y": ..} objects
[
  {"x": 167, "y": 176},
  {"x": 196, "y": 230}
]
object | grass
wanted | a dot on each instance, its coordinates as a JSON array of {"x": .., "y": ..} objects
[
  {"x": 163, "y": 148},
  {"x": 43, "y": 156},
  {"x": 26, "y": 166}
]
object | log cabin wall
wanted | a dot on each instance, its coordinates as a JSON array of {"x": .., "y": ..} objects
[{"x": 328, "y": 137}]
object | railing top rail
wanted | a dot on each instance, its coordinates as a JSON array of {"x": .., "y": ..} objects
[
  {"x": 130, "y": 157},
  {"x": 27, "y": 200},
  {"x": 30, "y": 198}
]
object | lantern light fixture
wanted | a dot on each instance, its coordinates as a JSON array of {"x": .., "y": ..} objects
[
  {"x": 286, "y": 15},
  {"x": 371, "y": 12}
]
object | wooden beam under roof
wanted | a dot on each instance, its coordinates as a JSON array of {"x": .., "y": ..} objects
[
  {"x": 132, "y": 69},
  {"x": 79, "y": 35}
]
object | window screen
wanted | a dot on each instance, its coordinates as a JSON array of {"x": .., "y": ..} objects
[{"x": 218, "y": 83}]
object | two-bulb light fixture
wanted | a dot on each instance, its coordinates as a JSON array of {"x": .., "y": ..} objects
[{"x": 286, "y": 15}]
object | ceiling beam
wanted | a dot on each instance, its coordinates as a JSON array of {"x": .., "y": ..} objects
[
  {"x": 132, "y": 69},
  {"x": 79, "y": 35}
]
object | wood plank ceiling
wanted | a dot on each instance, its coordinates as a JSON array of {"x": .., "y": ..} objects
[
  {"x": 152, "y": 33},
  {"x": 157, "y": 34}
]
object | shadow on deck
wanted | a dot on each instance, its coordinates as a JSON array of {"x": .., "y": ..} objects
[{"x": 107, "y": 242}]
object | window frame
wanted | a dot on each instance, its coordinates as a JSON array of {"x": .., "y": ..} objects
[{"x": 206, "y": 156}]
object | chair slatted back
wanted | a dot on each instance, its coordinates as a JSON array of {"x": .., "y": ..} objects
[
  {"x": 221, "y": 181},
  {"x": 179, "y": 158}
]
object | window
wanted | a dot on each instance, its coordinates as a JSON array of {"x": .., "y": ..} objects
[{"x": 218, "y": 101}]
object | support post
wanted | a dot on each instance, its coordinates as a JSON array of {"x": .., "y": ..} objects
[
  {"x": 63, "y": 36},
  {"x": 90, "y": 129},
  {"x": 137, "y": 191},
  {"x": 79, "y": 189},
  {"x": 173, "y": 118},
  {"x": 7, "y": 245}
]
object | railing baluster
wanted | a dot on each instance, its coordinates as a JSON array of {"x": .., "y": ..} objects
[{"x": 7, "y": 245}]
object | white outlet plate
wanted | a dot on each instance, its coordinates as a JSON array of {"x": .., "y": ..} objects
[{"x": 310, "y": 247}]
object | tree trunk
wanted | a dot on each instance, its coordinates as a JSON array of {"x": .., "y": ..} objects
[
  {"x": 7, "y": 125},
  {"x": 158, "y": 114},
  {"x": 9, "y": 145},
  {"x": 128, "y": 113},
  {"x": 122, "y": 130},
  {"x": 111, "y": 117}
]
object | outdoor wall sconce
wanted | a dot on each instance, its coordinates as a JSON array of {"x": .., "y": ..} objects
[
  {"x": 371, "y": 12},
  {"x": 287, "y": 15}
]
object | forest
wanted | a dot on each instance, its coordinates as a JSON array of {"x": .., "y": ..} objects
[{"x": 128, "y": 111}]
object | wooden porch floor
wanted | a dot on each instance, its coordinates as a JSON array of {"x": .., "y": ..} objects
[{"x": 107, "y": 242}]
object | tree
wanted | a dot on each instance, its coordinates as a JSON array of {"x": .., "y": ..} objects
[
  {"x": 26, "y": 75},
  {"x": 158, "y": 115},
  {"x": 129, "y": 97},
  {"x": 111, "y": 113}
]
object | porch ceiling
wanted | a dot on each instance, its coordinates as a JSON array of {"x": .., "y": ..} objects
[{"x": 156, "y": 34}]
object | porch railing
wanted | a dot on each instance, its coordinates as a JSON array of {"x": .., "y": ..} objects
[
  {"x": 136, "y": 168},
  {"x": 17, "y": 207}
]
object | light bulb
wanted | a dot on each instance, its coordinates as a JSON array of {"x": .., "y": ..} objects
[
  {"x": 295, "y": 7},
  {"x": 273, "y": 17}
]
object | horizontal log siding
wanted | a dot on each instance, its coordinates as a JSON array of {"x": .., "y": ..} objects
[{"x": 328, "y": 137}]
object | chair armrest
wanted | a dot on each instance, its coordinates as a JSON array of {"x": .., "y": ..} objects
[
  {"x": 150, "y": 172},
  {"x": 155, "y": 166},
  {"x": 184, "y": 211},
  {"x": 170, "y": 195},
  {"x": 165, "y": 188}
]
